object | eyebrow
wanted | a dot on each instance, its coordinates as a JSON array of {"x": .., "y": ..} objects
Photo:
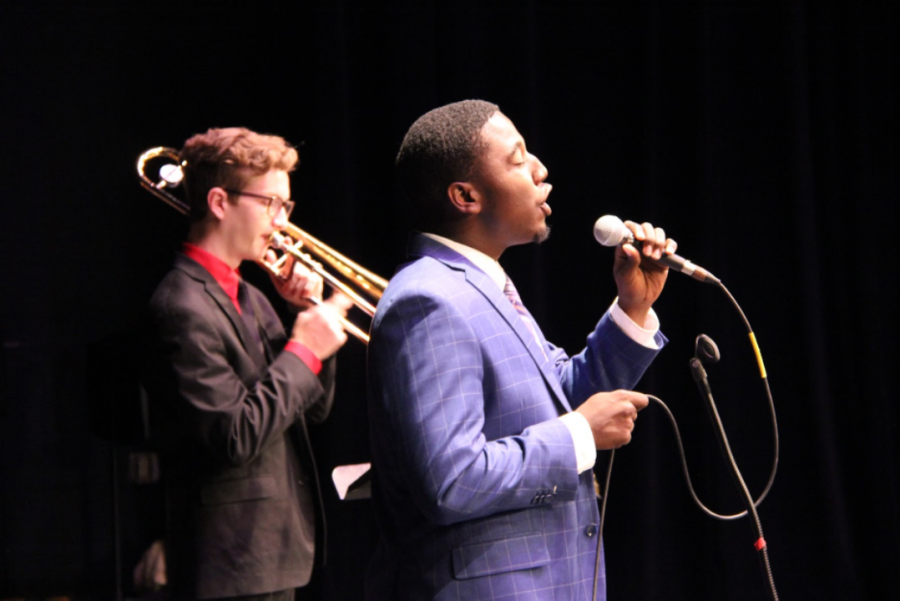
[{"x": 266, "y": 194}]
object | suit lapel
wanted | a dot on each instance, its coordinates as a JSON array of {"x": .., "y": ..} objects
[
  {"x": 263, "y": 333},
  {"x": 214, "y": 290},
  {"x": 424, "y": 246}
]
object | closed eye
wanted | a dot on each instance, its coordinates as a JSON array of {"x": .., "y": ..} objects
[{"x": 519, "y": 155}]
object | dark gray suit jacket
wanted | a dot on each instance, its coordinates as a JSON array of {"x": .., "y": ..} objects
[{"x": 229, "y": 419}]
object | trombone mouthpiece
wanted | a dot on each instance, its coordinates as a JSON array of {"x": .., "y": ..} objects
[{"x": 277, "y": 239}]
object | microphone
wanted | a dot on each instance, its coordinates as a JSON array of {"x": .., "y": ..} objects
[{"x": 610, "y": 231}]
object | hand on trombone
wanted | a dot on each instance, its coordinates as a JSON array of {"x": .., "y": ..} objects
[
  {"x": 295, "y": 282},
  {"x": 321, "y": 328},
  {"x": 320, "y": 325}
]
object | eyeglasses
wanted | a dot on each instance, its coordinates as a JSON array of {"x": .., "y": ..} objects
[{"x": 274, "y": 204}]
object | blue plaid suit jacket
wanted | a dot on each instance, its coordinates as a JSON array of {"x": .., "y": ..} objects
[{"x": 475, "y": 485}]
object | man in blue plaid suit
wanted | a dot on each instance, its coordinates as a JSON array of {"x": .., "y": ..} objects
[{"x": 483, "y": 433}]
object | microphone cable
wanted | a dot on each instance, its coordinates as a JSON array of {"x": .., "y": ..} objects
[
  {"x": 750, "y": 503},
  {"x": 720, "y": 428},
  {"x": 603, "y": 497}
]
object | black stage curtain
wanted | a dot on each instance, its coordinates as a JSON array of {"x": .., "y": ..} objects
[{"x": 762, "y": 136}]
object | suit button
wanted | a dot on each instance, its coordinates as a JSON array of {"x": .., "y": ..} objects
[{"x": 591, "y": 530}]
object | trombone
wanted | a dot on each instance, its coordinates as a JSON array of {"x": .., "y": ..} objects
[{"x": 360, "y": 282}]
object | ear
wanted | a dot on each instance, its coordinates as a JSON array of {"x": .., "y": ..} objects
[
  {"x": 217, "y": 198},
  {"x": 464, "y": 198}
]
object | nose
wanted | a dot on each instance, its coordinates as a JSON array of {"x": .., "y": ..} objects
[
  {"x": 281, "y": 219},
  {"x": 540, "y": 172}
]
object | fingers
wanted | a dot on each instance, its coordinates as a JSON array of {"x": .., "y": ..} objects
[
  {"x": 653, "y": 240},
  {"x": 297, "y": 283},
  {"x": 629, "y": 404},
  {"x": 628, "y": 414},
  {"x": 287, "y": 267},
  {"x": 671, "y": 246},
  {"x": 308, "y": 283},
  {"x": 639, "y": 400},
  {"x": 335, "y": 327},
  {"x": 611, "y": 416},
  {"x": 320, "y": 330},
  {"x": 315, "y": 285},
  {"x": 631, "y": 254},
  {"x": 295, "y": 276},
  {"x": 339, "y": 302},
  {"x": 632, "y": 403}
]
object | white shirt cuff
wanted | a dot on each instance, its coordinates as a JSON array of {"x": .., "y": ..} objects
[
  {"x": 642, "y": 334},
  {"x": 580, "y": 429}
]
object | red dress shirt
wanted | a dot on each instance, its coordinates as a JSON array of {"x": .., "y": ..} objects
[{"x": 229, "y": 279}]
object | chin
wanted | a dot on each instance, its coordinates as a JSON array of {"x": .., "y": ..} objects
[
  {"x": 260, "y": 251},
  {"x": 542, "y": 235}
]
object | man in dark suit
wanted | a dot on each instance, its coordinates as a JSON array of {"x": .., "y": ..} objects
[
  {"x": 483, "y": 433},
  {"x": 231, "y": 392}
]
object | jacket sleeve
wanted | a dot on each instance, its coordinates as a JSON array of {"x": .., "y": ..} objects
[
  {"x": 611, "y": 360},
  {"x": 317, "y": 411}
]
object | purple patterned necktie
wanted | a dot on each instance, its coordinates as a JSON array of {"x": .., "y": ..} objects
[{"x": 513, "y": 295}]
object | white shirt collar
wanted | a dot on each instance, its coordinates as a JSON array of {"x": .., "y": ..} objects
[{"x": 483, "y": 262}]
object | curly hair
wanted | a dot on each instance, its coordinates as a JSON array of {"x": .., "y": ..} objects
[
  {"x": 443, "y": 146},
  {"x": 227, "y": 157}
]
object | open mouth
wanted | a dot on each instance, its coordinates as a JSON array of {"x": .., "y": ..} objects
[
  {"x": 546, "y": 209},
  {"x": 544, "y": 206}
]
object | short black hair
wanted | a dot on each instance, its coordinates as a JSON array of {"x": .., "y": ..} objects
[{"x": 440, "y": 148}]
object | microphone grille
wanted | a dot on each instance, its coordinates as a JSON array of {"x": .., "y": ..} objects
[{"x": 610, "y": 231}]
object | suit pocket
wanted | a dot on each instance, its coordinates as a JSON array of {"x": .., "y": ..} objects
[
  {"x": 498, "y": 556},
  {"x": 235, "y": 491}
]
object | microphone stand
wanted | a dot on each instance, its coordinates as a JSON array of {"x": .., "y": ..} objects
[
  {"x": 699, "y": 374},
  {"x": 611, "y": 231}
]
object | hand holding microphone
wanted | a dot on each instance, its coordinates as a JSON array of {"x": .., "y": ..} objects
[{"x": 610, "y": 231}]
